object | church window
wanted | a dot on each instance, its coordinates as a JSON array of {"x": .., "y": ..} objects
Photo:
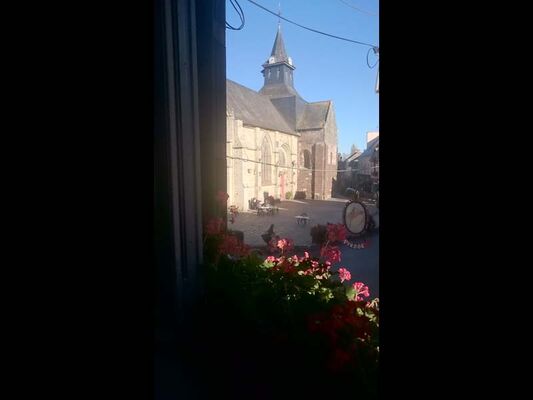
[
  {"x": 278, "y": 71},
  {"x": 282, "y": 158}
]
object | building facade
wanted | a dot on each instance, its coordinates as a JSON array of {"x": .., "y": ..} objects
[{"x": 278, "y": 143}]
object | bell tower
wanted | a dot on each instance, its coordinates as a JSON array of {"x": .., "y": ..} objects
[{"x": 278, "y": 69}]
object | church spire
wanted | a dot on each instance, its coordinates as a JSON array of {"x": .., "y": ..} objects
[
  {"x": 278, "y": 50},
  {"x": 278, "y": 70}
]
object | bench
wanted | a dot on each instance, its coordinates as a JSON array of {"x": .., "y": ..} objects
[{"x": 302, "y": 219}]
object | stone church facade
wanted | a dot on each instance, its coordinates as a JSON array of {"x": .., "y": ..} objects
[{"x": 276, "y": 141}]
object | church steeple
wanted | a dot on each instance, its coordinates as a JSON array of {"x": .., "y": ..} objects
[
  {"x": 278, "y": 50},
  {"x": 278, "y": 70}
]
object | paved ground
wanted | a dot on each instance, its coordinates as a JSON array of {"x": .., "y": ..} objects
[{"x": 362, "y": 263}]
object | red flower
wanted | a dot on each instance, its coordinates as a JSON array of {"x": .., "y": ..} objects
[
  {"x": 344, "y": 274},
  {"x": 336, "y": 232},
  {"x": 286, "y": 266},
  {"x": 331, "y": 253},
  {"x": 214, "y": 226},
  {"x": 232, "y": 246},
  {"x": 360, "y": 290}
]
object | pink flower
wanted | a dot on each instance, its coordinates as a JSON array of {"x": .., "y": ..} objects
[
  {"x": 271, "y": 259},
  {"x": 344, "y": 274},
  {"x": 360, "y": 289},
  {"x": 285, "y": 244},
  {"x": 331, "y": 253}
]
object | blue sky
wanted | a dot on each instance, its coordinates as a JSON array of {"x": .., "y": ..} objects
[{"x": 326, "y": 68}]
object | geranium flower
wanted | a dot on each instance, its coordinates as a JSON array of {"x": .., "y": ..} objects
[
  {"x": 285, "y": 244},
  {"x": 336, "y": 232},
  {"x": 360, "y": 290},
  {"x": 232, "y": 246},
  {"x": 344, "y": 274},
  {"x": 331, "y": 253},
  {"x": 286, "y": 266}
]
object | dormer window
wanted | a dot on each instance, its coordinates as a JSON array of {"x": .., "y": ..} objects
[{"x": 271, "y": 60}]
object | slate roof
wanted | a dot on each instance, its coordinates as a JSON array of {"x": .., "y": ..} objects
[
  {"x": 254, "y": 109},
  {"x": 278, "y": 90},
  {"x": 278, "y": 50},
  {"x": 353, "y": 156},
  {"x": 314, "y": 115}
]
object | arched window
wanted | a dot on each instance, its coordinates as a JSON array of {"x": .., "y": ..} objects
[
  {"x": 282, "y": 161},
  {"x": 266, "y": 161}
]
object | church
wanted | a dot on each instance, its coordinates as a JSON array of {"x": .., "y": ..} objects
[{"x": 278, "y": 143}]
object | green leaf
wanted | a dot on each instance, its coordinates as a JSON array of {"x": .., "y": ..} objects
[{"x": 350, "y": 293}]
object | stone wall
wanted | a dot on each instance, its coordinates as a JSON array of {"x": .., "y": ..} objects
[
  {"x": 330, "y": 135},
  {"x": 322, "y": 145},
  {"x": 245, "y": 177}
]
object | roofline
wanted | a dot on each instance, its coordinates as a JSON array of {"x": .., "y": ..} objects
[
  {"x": 265, "y": 128},
  {"x": 320, "y": 101},
  {"x": 266, "y": 64},
  {"x": 309, "y": 129}
]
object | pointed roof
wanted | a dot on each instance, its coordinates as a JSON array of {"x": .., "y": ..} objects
[
  {"x": 314, "y": 115},
  {"x": 278, "y": 50}
]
